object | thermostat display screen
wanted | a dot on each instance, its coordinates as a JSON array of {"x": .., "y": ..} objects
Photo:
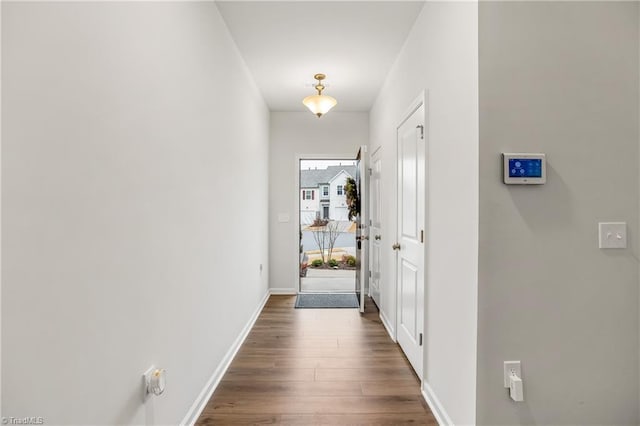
[{"x": 525, "y": 168}]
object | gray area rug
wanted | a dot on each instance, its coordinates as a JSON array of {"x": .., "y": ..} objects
[{"x": 326, "y": 300}]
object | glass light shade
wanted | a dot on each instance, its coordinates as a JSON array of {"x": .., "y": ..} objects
[{"x": 319, "y": 104}]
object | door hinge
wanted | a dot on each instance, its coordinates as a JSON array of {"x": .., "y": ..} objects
[
  {"x": 370, "y": 172},
  {"x": 370, "y": 222},
  {"x": 421, "y": 127},
  {"x": 422, "y": 235},
  {"x": 420, "y": 339},
  {"x": 369, "y": 274}
]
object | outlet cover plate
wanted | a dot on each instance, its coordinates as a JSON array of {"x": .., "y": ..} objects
[{"x": 510, "y": 366}]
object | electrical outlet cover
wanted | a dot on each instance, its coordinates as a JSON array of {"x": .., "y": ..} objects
[{"x": 510, "y": 366}]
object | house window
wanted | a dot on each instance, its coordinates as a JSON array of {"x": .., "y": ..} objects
[
  {"x": 340, "y": 190},
  {"x": 307, "y": 195},
  {"x": 325, "y": 191}
]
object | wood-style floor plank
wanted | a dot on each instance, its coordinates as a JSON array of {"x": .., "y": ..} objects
[
  {"x": 361, "y": 374},
  {"x": 395, "y": 419},
  {"x": 274, "y": 404},
  {"x": 317, "y": 366},
  {"x": 294, "y": 388},
  {"x": 378, "y": 419}
]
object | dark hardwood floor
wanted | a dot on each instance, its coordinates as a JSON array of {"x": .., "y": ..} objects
[{"x": 318, "y": 366}]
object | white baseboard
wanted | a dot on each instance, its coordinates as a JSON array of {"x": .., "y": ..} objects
[
  {"x": 387, "y": 325},
  {"x": 437, "y": 409},
  {"x": 287, "y": 291},
  {"x": 199, "y": 404}
]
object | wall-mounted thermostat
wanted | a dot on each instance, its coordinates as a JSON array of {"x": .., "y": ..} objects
[{"x": 524, "y": 169}]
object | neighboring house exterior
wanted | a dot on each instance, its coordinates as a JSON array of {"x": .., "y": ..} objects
[
  {"x": 309, "y": 204},
  {"x": 322, "y": 193}
]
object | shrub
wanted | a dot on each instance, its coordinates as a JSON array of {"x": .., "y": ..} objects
[
  {"x": 333, "y": 262},
  {"x": 320, "y": 222},
  {"x": 316, "y": 263},
  {"x": 350, "y": 260}
]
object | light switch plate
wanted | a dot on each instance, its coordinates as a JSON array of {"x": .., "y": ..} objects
[
  {"x": 283, "y": 217},
  {"x": 612, "y": 235}
]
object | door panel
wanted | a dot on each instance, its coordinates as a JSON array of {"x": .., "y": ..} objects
[
  {"x": 410, "y": 249},
  {"x": 408, "y": 293},
  {"x": 409, "y": 184}
]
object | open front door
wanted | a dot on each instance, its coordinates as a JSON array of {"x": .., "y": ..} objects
[
  {"x": 375, "y": 225},
  {"x": 362, "y": 262}
]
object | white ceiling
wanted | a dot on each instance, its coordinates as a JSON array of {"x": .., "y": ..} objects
[{"x": 285, "y": 43}]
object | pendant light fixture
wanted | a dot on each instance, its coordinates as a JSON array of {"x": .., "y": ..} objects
[{"x": 319, "y": 104}]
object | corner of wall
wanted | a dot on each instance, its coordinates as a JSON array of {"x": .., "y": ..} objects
[
  {"x": 440, "y": 55},
  {"x": 205, "y": 394},
  {"x": 437, "y": 409}
]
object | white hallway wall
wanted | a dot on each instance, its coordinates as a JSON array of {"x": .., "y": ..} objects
[
  {"x": 294, "y": 134},
  {"x": 131, "y": 134},
  {"x": 559, "y": 78},
  {"x": 441, "y": 55}
]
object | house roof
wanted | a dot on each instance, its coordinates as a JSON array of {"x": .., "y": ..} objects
[{"x": 314, "y": 178}]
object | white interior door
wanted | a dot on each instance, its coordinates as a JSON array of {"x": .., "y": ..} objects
[
  {"x": 375, "y": 226},
  {"x": 410, "y": 243}
]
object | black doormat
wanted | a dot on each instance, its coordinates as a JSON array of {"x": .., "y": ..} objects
[{"x": 326, "y": 300}]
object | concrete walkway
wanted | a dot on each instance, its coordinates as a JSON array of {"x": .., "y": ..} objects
[
  {"x": 331, "y": 273},
  {"x": 328, "y": 280}
]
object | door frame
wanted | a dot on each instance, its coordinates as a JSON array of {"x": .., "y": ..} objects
[
  {"x": 420, "y": 100},
  {"x": 296, "y": 218}
]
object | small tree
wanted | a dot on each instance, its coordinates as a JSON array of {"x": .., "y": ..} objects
[
  {"x": 333, "y": 230},
  {"x": 319, "y": 232},
  {"x": 326, "y": 233}
]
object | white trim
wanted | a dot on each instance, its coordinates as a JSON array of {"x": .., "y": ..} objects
[
  {"x": 211, "y": 385},
  {"x": 436, "y": 407},
  {"x": 387, "y": 326},
  {"x": 281, "y": 291},
  {"x": 417, "y": 103}
]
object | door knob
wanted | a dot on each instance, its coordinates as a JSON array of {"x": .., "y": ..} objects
[
  {"x": 396, "y": 246},
  {"x": 377, "y": 237}
]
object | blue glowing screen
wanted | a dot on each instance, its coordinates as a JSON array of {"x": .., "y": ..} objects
[{"x": 525, "y": 168}]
